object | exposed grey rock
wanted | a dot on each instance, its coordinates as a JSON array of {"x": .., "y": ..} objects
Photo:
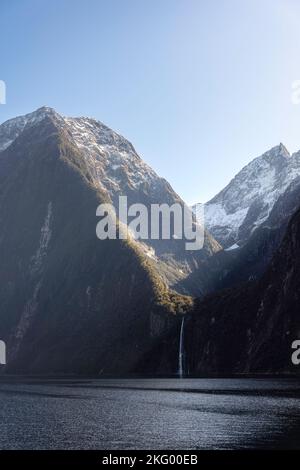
[{"x": 246, "y": 202}]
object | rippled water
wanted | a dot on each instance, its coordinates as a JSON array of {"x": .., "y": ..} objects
[{"x": 149, "y": 414}]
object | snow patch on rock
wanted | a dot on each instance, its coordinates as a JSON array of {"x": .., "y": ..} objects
[{"x": 250, "y": 196}]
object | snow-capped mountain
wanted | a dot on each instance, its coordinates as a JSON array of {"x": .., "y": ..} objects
[
  {"x": 108, "y": 155},
  {"x": 70, "y": 302},
  {"x": 246, "y": 202},
  {"x": 12, "y": 128},
  {"x": 114, "y": 167}
]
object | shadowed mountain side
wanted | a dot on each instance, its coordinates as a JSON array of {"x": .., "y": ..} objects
[
  {"x": 70, "y": 303},
  {"x": 248, "y": 263},
  {"x": 112, "y": 166},
  {"x": 251, "y": 328}
]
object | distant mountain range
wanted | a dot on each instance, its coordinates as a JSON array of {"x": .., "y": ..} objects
[{"x": 70, "y": 303}]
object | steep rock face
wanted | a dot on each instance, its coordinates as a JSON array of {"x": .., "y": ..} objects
[
  {"x": 246, "y": 202},
  {"x": 251, "y": 328},
  {"x": 115, "y": 169},
  {"x": 69, "y": 302},
  {"x": 237, "y": 265}
]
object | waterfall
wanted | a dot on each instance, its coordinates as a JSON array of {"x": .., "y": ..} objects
[{"x": 181, "y": 353}]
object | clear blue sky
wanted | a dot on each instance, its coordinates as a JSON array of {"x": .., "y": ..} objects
[{"x": 199, "y": 87}]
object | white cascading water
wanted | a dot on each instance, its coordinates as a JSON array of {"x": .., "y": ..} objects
[{"x": 181, "y": 351}]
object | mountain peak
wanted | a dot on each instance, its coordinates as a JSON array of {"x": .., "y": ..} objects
[
  {"x": 44, "y": 110},
  {"x": 246, "y": 202},
  {"x": 12, "y": 128},
  {"x": 87, "y": 131},
  {"x": 284, "y": 149},
  {"x": 278, "y": 150}
]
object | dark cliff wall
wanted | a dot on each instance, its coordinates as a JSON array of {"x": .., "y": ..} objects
[
  {"x": 251, "y": 328},
  {"x": 70, "y": 303}
]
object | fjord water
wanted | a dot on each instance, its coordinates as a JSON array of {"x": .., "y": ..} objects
[{"x": 149, "y": 414}]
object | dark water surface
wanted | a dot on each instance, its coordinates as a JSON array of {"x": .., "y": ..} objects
[{"x": 149, "y": 414}]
